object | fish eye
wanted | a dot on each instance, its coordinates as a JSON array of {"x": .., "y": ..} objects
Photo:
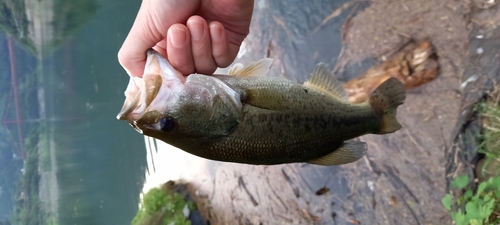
[{"x": 167, "y": 124}]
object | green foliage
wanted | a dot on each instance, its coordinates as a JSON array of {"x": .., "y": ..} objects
[
  {"x": 491, "y": 124},
  {"x": 460, "y": 182},
  {"x": 447, "y": 202},
  {"x": 13, "y": 21},
  {"x": 70, "y": 16},
  {"x": 161, "y": 207},
  {"x": 154, "y": 200},
  {"x": 51, "y": 220},
  {"x": 480, "y": 208},
  {"x": 28, "y": 207}
]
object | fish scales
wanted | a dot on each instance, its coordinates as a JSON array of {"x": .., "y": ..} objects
[{"x": 306, "y": 137}]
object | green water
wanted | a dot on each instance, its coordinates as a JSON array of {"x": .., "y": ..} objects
[{"x": 100, "y": 160}]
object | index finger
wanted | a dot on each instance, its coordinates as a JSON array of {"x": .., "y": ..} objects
[
  {"x": 132, "y": 54},
  {"x": 150, "y": 27}
]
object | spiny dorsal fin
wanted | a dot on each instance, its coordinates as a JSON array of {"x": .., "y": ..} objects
[
  {"x": 254, "y": 69},
  {"x": 347, "y": 153},
  {"x": 235, "y": 69},
  {"x": 322, "y": 80}
]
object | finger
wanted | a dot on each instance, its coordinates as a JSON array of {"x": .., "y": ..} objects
[
  {"x": 132, "y": 54},
  {"x": 221, "y": 51},
  {"x": 161, "y": 48},
  {"x": 201, "y": 46},
  {"x": 179, "y": 49},
  {"x": 149, "y": 28}
]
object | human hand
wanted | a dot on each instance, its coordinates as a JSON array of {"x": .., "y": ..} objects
[{"x": 196, "y": 36}]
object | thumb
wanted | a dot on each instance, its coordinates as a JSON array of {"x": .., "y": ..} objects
[{"x": 150, "y": 27}]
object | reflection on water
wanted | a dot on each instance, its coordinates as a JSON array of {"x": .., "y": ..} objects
[
  {"x": 81, "y": 166},
  {"x": 43, "y": 25}
]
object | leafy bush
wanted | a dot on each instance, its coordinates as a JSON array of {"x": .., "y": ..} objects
[
  {"x": 161, "y": 206},
  {"x": 154, "y": 200},
  {"x": 482, "y": 208}
]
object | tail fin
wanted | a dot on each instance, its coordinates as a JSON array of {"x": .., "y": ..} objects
[{"x": 385, "y": 101}]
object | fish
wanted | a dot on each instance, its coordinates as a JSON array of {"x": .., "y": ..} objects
[{"x": 247, "y": 117}]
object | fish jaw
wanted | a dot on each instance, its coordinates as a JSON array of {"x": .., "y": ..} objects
[{"x": 156, "y": 90}]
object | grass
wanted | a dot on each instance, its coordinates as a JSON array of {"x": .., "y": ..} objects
[
  {"x": 490, "y": 147},
  {"x": 481, "y": 206}
]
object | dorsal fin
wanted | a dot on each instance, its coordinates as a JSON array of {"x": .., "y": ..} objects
[
  {"x": 235, "y": 69},
  {"x": 322, "y": 79},
  {"x": 254, "y": 69}
]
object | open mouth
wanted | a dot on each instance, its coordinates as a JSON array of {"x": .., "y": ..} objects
[{"x": 158, "y": 87}]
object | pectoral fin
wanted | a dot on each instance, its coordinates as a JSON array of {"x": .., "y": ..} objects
[
  {"x": 255, "y": 69},
  {"x": 321, "y": 79},
  {"x": 347, "y": 153}
]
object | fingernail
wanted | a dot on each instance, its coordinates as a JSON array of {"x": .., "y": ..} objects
[
  {"x": 196, "y": 28},
  {"x": 177, "y": 37},
  {"x": 215, "y": 33}
]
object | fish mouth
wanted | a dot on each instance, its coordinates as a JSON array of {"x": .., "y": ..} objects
[{"x": 154, "y": 91}]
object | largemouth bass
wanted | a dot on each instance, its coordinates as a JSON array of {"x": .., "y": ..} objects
[{"x": 247, "y": 117}]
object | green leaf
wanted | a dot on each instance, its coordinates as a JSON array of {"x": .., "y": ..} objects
[
  {"x": 446, "y": 200},
  {"x": 481, "y": 188},
  {"x": 468, "y": 194},
  {"x": 472, "y": 210},
  {"x": 487, "y": 209},
  {"x": 459, "y": 218},
  {"x": 460, "y": 181},
  {"x": 487, "y": 197},
  {"x": 496, "y": 182},
  {"x": 476, "y": 222}
]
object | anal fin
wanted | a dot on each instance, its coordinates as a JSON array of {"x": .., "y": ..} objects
[{"x": 347, "y": 153}]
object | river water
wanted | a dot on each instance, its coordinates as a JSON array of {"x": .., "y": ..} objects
[
  {"x": 79, "y": 86},
  {"x": 101, "y": 162}
]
